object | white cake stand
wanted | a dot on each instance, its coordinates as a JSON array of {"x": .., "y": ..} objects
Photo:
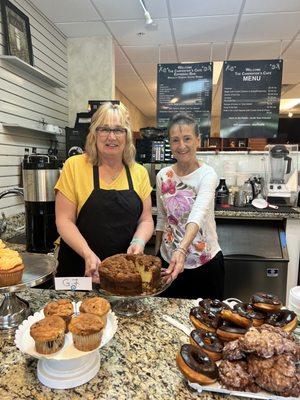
[
  {"x": 68, "y": 367},
  {"x": 129, "y": 306}
]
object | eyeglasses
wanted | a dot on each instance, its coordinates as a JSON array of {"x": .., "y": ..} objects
[{"x": 105, "y": 131}]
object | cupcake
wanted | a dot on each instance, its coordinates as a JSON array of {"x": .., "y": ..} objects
[
  {"x": 97, "y": 306},
  {"x": 48, "y": 334},
  {"x": 63, "y": 308},
  {"x": 11, "y": 267},
  {"x": 87, "y": 331}
]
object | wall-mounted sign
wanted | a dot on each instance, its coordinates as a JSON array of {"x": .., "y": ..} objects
[
  {"x": 16, "y": 30},
  {"x": 184, "y": 88},
  {"x": 250, "y": 98}
]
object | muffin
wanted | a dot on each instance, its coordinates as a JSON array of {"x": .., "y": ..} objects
[
  {"x": 63, "y": 308},
  {"x": 48, "y": 334},
  {"x": 11, "y": 267},
  {"x": 87, "y": 331},
  {"x": 97, "y": 306}
]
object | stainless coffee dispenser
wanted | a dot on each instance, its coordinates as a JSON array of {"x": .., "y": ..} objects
[{"x": 40, "y": 174}]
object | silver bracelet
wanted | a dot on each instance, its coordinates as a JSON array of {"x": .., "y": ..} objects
[
  {"x": 138, "y": 241},
  {"x": 181, "y": 250}
]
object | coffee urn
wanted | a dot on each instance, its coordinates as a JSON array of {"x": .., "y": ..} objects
[{"x": 40, "y": 174}]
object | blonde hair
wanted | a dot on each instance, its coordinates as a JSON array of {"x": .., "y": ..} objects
[{"x": 102, "y": 117}]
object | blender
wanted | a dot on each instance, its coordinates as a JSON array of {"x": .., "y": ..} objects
[{"x": 280, "y": 168}]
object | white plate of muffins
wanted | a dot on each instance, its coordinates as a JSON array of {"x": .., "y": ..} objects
[{"x": 57, "y": 333}]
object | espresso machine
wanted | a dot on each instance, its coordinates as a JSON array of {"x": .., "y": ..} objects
[
  {"x": 282, "y": 173},
  {"x": 40, "y": 173}
]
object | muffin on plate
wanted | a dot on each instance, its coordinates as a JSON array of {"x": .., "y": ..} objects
[
  {"x": 11, "y": 267},
  {"x": 63, "y": 308},
  {"x": 48, "y": 334},
  {"x": 87, "y": 331},
  {"x": 97, "y": 306}
]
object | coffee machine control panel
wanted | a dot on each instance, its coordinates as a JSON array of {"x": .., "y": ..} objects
[{"x": 153, "y": 151}]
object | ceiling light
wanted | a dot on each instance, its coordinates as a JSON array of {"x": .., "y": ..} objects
[
  {"x": 148, "y": 19},
  {"x": 290, "y": 114},
  {"x": 287, "y": 104}
]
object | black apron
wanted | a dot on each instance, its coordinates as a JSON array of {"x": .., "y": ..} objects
[{"x": 107, "y": 221}]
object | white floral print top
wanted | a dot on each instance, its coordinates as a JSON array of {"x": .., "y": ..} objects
[{"x": 185, "y": 199}]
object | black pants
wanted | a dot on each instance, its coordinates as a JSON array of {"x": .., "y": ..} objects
[{"x": 206, "y": 281}]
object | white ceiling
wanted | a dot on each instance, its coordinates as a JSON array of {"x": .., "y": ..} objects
[{"x": 187, "y": 30}]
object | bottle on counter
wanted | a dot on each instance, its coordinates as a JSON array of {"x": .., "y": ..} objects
[
  {"x": 248, "y": 190},
  {"x": 222, "y": 193}
]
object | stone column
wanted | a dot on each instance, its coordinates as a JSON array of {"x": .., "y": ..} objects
[{"x": 91, "y": 72}]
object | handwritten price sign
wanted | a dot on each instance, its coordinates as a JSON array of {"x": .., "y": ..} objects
[{"x": 73, "y": 283}]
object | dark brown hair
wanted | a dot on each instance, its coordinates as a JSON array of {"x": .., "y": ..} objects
[{"x": 182, "y": 119}]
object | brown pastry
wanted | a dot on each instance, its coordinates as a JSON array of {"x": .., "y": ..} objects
[
  {"x": 277, "y": 374},
  {"x": 266, "y": 302},
  {"x": 196, "y": 366},
  {"x": 87, "y": 331},
  {"x": 130, "y": 274},
  {"x": 63, "y": 308},
  {"x": 203, "y": 319},
  {"x": 97, "y": 306},
  {"x": 266, "y": 342},
  {"x": 48, "y": 334},
  {"x": 208, "y": 342},
  {"x": 235, "y": 376}
]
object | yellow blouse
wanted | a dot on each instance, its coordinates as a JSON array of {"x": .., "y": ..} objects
[{"x": 76, "y": 180}]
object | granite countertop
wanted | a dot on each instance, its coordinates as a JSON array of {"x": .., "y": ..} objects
[
  {"x": 253, "y": 213},
  {"x": 250, "y": 212},
  {"x": 137, "y": 364},
  {"x": 15, "y": 226}
]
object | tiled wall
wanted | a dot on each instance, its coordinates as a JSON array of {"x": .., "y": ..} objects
[{"x": 237, "y": 167}]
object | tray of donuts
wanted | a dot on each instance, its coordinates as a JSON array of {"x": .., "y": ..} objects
[{"x": 243, "y": 349}]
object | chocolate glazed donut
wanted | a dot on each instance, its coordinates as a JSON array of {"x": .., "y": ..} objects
[
  {"x": 234, "y": 317},
  {"x": 266, "y": 302},
  {"x": 247, "y": 310},
  {"x": 196, "y": 366},
  {"x": 202, "y": 319},
  {"x": 208, "y": 342},
  {"x": 214, "y": 306},
  {"x": 229, "y": 331},
  {"x": 285, "y": 319}
]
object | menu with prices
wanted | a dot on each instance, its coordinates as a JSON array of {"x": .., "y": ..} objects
[
  {"x": 250, "y": 98},
  {"x": 185, "y": 88}
]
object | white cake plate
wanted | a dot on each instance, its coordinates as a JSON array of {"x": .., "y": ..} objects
[{"x": 68, "y": 367}]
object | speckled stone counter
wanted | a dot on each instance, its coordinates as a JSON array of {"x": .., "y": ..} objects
[
  {"x": 252, "y": 213},
  {"x": 138, "y": 363},
  {"x": 15, "y": 225}
]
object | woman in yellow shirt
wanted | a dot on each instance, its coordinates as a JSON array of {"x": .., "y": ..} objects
[{"x": 103, "y": 203}]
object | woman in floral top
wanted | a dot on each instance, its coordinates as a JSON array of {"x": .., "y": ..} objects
[{"x": 186, "y": 230}]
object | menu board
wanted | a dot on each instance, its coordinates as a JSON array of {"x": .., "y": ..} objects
[
  {"x": 185, "y": 88},
  {"x": 250, "y": 98}
]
